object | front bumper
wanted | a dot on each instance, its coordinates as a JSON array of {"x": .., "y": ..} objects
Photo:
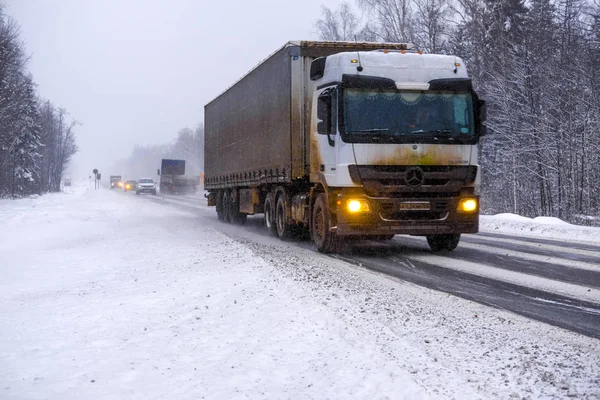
[
  {"x": 387, "y": 217},
  {"x": 146, "y": 189}
]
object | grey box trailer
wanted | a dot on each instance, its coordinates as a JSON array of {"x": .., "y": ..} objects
[{"x": 257, "y": 131}]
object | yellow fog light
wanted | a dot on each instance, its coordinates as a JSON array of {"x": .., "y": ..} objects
[
  {"x": 468, "y": 205},
  {"x": 355, "y": 206}
]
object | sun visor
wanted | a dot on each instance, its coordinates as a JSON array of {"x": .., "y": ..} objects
[
  {"x": 452, "y": 85},
  {"x": 367, "y": 82}
]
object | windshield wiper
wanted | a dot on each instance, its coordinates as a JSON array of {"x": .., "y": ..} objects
[
  {"x": 435, "y": 131},
  {"x": 371, "y": 130}
]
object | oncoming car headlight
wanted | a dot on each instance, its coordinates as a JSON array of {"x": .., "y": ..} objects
[
  {"x": 357, "y": 206},
  {"x": 468, "y": 205}
]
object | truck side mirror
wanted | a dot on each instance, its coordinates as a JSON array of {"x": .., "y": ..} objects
[
  {"x": 480, "y": 118},
  {"x": 324, "y": 115},
  {"x": 158, "y": 171}
]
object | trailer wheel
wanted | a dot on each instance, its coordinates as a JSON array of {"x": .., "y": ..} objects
[
  {"x": 326, "y": 241},
  {"x": 445, "y": 242},
  {"x": 284, "y": 230},
  {"x": 269, "y": 214},
  {"x": 227, "y": 206}
]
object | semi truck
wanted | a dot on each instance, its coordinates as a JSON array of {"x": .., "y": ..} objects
[
  {"x": 116, "y": 181},
  {"x": 173, "y": 179},
  {"x": 343, "y": 140}
]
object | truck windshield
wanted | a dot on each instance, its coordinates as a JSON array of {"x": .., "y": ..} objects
[{"x": 408, "y": 113}]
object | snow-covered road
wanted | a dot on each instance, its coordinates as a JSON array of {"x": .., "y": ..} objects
[{"x": 110, "y": 295}]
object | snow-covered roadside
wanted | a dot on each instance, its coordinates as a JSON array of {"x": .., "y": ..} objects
[
  {"x": 123, "y": 298},
  {"x": 540, "y": 227},
  {"x": 107, "y": 296},
  {"x": 456, "y": 348}
]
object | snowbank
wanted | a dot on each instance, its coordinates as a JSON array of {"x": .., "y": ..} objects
[{"x": 539, "y": 227}]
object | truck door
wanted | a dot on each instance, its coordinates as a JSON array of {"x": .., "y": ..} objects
[{"x": 324, "y": 157}]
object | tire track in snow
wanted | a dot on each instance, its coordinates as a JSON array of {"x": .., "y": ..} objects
[{"x": 555, "y": 309}]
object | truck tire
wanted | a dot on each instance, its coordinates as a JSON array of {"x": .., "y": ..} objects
[
  {"x": 445, "y": 242},
  {"x": 227, "y": 206},
  {"x": 284, "y": 230},
  {"x": 269, "y": 214},
  {"x": 326, "y": 242}
]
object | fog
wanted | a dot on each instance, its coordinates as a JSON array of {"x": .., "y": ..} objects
[{"x": 137, "y": 71}]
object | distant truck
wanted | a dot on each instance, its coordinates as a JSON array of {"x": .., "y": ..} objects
[
  {"x": 67, "y": 182},
  {"x": 116, "y": 181},
  {"x": 348, "y": 140},
  {"x": 173, "y": 179}
]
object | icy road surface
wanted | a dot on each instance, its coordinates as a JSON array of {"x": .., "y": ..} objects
[{"x": 107, "y": 294}]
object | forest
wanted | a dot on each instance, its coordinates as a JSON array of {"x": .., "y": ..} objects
[
  {"x": 37, "y": 138},
  {"x": 537, "y": 64}
]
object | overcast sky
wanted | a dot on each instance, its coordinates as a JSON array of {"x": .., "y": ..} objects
[{"x": 137, "y": 71}]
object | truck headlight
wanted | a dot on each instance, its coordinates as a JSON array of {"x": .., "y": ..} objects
[
  {"x": 468, "y": 205},
  {"x": 356, "y": 206}
]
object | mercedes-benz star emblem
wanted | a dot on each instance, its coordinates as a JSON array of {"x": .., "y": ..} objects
[{"x": 414, "y": 176}]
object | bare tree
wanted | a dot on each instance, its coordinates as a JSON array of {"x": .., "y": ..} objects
[
  {"x": 392, "y": 20},
  {"x": 431, "y": 25},
  {"x": 338, "y": 25}
]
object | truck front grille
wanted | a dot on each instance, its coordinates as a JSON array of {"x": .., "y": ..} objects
[{"x": 404, "y": 179}]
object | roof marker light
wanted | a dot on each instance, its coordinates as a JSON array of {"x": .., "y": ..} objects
[
  {"x": 354, "y": 61},
  {"x": 457, "y": 64},
  {"x": 403, "y": 51}
]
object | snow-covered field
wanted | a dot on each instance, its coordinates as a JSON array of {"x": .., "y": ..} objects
[{"x": 105, "y": 295}]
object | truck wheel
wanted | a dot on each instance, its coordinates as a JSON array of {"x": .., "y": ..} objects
[
  {"x": 269, "y": 214},
  {"x": 445, "y": 242},
  {"x": 326, "y": 242},
  {"x": 284, "y": 230},
  {"x": 227, "y": 206}
]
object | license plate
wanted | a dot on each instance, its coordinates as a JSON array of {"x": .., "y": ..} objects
[{"x": 415, "y": 205}]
